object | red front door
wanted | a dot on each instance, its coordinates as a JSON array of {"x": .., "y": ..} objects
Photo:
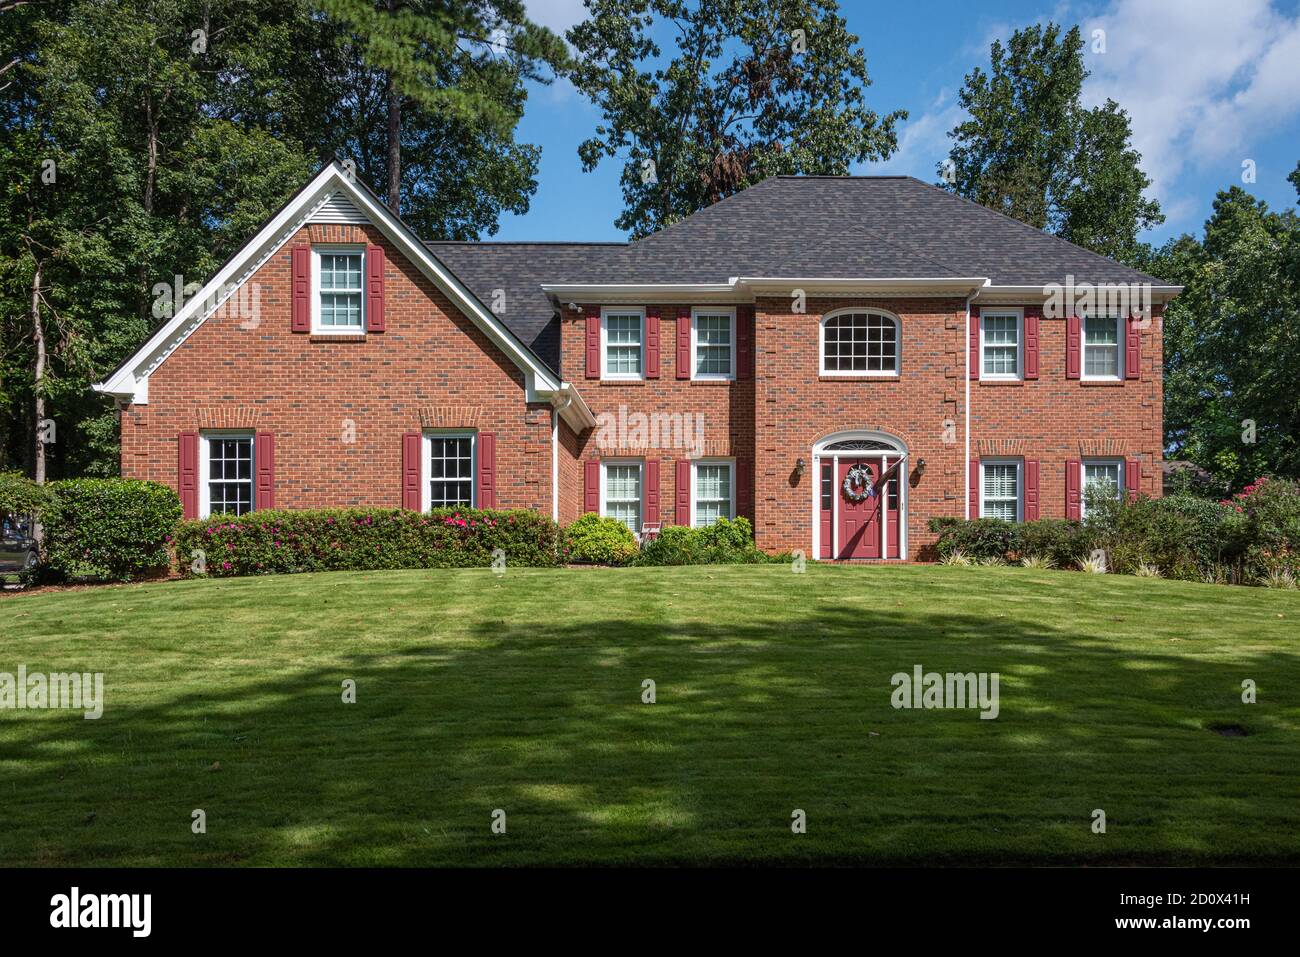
[{"x": 859, "y": 521}]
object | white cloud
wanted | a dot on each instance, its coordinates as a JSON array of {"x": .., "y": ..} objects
[{"x": 1203, "y": 80}]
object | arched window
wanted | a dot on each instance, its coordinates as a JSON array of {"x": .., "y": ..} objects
[{"x": 859, "y": 342}]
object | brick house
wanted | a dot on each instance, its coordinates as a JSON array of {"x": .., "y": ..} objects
[{"x": 839, "y": 359}]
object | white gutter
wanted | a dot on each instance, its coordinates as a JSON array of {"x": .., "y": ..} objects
[
  {"x": 745, "y": 285},
  {"x": 1045, "y": 291},
  {"x": 556, "y": 411}
]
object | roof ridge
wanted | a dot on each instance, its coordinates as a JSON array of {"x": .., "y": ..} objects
[{"x": 525, "y": 242}]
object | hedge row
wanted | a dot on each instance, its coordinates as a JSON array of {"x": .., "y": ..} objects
[
  {"x": 115, "y": 529},
  {"x": 272, "y": 542}
]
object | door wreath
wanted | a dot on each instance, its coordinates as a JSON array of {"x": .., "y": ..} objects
[{"x": 857, "y": 484}]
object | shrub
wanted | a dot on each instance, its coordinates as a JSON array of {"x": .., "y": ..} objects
[
  {"x": 268, "y": 542},
  {"x": 722, "y": 543},
  {"x": 956, "y": 557},
  {"x": 598, "y": 539},
  {"x": 1040, "y": 562},
  {"x": 115, "y": 529},
  {"x": 19, "y": 495},
  {"x": 1060, "y": 542},
  {"x": 977, "y": 539}
]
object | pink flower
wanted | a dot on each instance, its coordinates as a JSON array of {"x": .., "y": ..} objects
[{"x": 226, "y": 565}]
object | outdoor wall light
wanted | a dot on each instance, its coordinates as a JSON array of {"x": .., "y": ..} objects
[
  {"x": 799, "y": 467},
  {"x": 920, "y": 467}
]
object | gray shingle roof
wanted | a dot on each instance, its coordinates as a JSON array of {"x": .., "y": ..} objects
[{"x": 807, "y": 227}]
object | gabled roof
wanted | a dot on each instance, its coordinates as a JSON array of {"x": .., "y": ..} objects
[{"x": 130, "y": 380}]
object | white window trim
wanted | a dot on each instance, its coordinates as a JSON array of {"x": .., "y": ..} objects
[
  {"x": 316, "y": 328},
  {"x": 853, "y": 373},
  {"x": 604, "y": 466},
  {"x": 1119, "y": 350},
  {"x": 695, "y": 465},
  {"x": 426, "y": 466},
  {"x": 1020, "y": 483},
  {"x": 1083, "y": 479},
  {"x": 696, "y": 312},
  {"x": 205, "y": 493},
  {"x": 1018, "y": 314},
  {"x": 605, "y": 313}
]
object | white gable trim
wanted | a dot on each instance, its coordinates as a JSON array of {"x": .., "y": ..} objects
[{"x": 131, "y": 380}]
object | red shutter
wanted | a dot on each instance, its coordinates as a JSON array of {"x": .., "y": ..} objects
[
  {"x": 593, "y": 342},
  {"x": 1073, "y": 350},
  {"x": 591, "y": 486},
  {"x": 683, "y": 492},
  {"x": 652, "y": 342},
  {"x": 301, "y": 293},
  {"x": 264, "y": 462},
  {"x": 745, "y": 488},
  {"x": 974, "y": 357},
  {"x": 487, "y": 470},
  {"x": 745, "y": 342},
  {"x": 1133, "y": 478},
  {"x": 187, "y": 473},
  {"x": 1133, "y": 348},
  {"x": 1032, "y": 314},
  {"x": 1031, "y": 490},
  {"x": 412, "y": 449},
  {"x": 1073, "y": 477},
  {"x": 973, "y": 505},
  {"x": 375, "y": 288},
  {"x": 684, "y": 342},
  {"x": 652, "y": 490}
]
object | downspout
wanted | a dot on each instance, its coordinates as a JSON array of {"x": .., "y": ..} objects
[{"x": 965, "y": 471}]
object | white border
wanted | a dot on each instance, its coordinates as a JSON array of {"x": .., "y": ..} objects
[
  {"x": 1019, "y": 463},
  {"x": 1004, "y": 312},
  {"x": 205, "y": 493},
  {"x": 426, "y": 466},
  {"x": 819, "y": 453},
  {"x": 605, "y": 313},
  {"x": 639, "y": 463},
  {"x": 731, "y": 483},
  {"x": 347, "y": 248}
]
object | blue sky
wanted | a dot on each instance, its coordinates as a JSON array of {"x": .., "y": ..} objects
[{"x": 1210, "y": 84}]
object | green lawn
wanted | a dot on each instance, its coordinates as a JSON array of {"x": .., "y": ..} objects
[{"x": 524, "y": 693}]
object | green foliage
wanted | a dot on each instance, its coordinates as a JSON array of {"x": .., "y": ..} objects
[
  {"x": 1269, "y": 513},
  {"x": 114, "y": 529},
  {"x": 1232, "y": 358},
  {"x": 978, "y": 538},
  {"x": 1061, "y": 542},
  {"x": 731, "y": 103},
  {"x": 19, "y": 495},
  {"x": 598, "y": 539},
  {"x": 1032, "y": 151},
  {"x": 271, "y": 542},
  {"x": 722, "y": 543}
]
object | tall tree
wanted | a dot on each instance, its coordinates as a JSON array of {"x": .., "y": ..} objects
[
  {"x": 751, "y": 88},
  {"x": 445, "y": 81},
  {"x": 1232, "y": 340},
  {"x": 1031, "y": 150}
]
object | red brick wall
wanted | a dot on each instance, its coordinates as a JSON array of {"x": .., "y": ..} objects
[
  {"x": 727, "y": 409},
  {"x": 432, "y": 367}
]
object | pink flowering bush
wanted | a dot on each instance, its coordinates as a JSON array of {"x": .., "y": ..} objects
[
  {"x": 270, "y": 542},
  {"x": 1270, "y": 511}
]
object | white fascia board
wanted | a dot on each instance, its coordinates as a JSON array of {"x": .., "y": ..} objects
[
  {"x": 131, "y": 380},
  {"x": 1159, "y": 293},
  {"x": 571, "y": 406},
  {"x": 955, "y": 285}
]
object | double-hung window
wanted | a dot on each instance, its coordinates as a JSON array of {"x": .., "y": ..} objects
[
  {"x": 713, "y": 334},
  {"x": 449, "y": 467},
  {"x": 226, "y": 465},
  {"x": 713, "y": 493},
  {"x": 339, "y": 302},
  {"x": 620, "y": 492},
  {"x": 622, "y": 347},
  {"x": 1103, "y": 477},
  {"x": 1000, "y": 489},
  {"x": 1000, "y": 344},
  {"x": 1101, "y": 357}
]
